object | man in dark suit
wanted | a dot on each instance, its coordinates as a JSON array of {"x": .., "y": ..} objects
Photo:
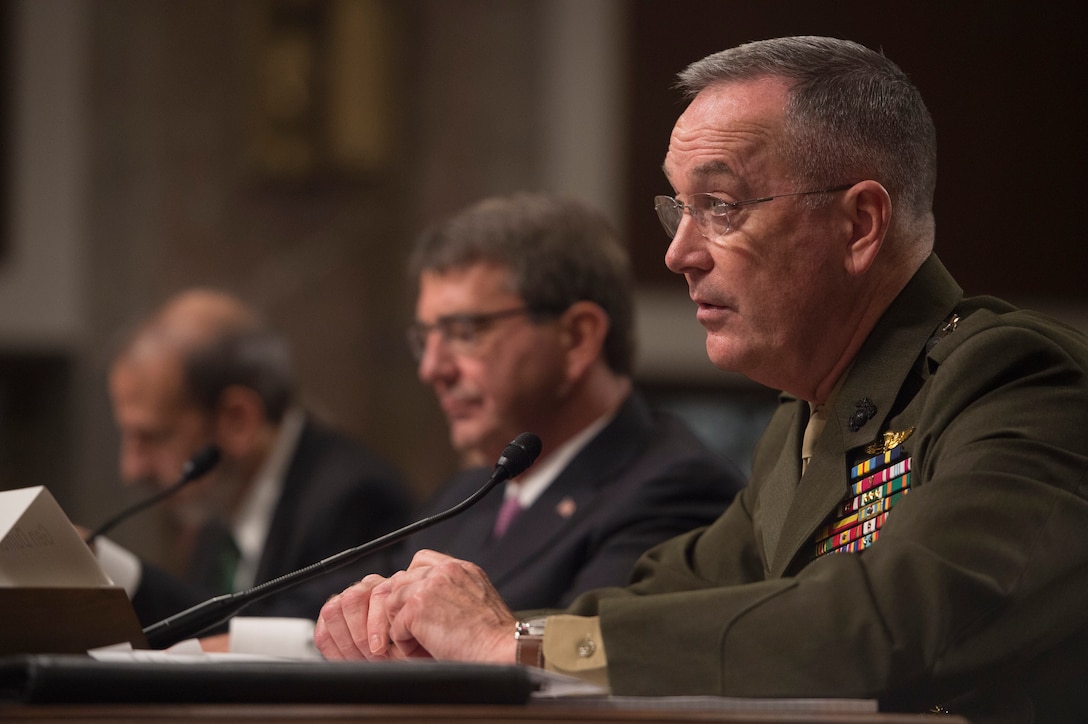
[
  {"x": 288, "y": 490},
  {"x": 525, "y": 323},
  {"x": 914, "y": 528}
]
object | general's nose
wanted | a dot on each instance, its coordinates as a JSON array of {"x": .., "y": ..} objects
[{"x": 688, "y": 249}]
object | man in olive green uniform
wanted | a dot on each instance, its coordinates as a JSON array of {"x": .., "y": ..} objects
[{"x": 915, "y": 526}]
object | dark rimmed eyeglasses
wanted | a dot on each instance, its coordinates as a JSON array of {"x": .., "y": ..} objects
[
  {"x": 460, "y": 332},
  {"x": 713, "y": 214}
]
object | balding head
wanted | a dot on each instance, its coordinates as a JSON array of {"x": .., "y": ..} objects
[
  {"x": 169, "y": 381},
  {"x": 218, "y": 341},
  {"x": 190, "y": 320}
]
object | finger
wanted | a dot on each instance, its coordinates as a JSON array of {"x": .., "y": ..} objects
[
  {"x": 410, "y": 600},
  {"x": 342, "y": 622},
  {"x": 401, "y": 637},
  {"x": 377, "y": 619},
  {"x": 327, "y": 623},
  {"x": 425, "y": 557},
  {"x": 323, "y": 639},
  {"x": 409, "y": 649}
]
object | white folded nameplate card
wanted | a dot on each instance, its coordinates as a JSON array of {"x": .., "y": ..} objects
[{"x": 39, "y": 546}]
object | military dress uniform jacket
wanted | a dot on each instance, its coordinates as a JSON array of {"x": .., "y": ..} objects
[
  {"x": 973, "y": 595},
  {"x": 641, "y": 480}
]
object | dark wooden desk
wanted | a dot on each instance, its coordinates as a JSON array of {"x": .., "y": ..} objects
[
  {"x": 408, "y": 714},
  {"x": 78, "y": 689}
]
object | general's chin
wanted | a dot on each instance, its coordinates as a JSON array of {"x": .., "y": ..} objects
[{"x": 723, "y": 352}]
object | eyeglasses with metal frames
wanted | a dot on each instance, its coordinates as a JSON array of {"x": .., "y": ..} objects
[
  {"x": 712, "y": 213},
  {"x": 460, "y": 331}
]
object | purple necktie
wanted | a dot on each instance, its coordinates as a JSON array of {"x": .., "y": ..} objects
[{"x": 511, "y": 506}]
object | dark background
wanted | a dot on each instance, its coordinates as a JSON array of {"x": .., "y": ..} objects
[
  {"x": 187, "y": 176},
  {"x": 1005, "y": 84}
]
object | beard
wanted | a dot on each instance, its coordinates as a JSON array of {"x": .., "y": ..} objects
[{"x": 212, "y": 497}]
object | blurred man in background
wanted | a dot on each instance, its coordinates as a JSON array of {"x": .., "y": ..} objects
[
  {"x": 288, "y": 491},
  {"x": 525, "y": 322}
]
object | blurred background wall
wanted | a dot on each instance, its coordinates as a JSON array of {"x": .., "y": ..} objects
[{"x": 289, "y": 150}]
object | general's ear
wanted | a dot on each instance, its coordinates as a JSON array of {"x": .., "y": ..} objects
[
  {"x": 239, "y": 419},
  {"x": 869, "y": 208},
  {"x": 585, "y": 326}
]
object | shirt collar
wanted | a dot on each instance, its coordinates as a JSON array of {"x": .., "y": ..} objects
[
  {"x": 255, "y": 514},
  {"x": 531, "y": 484}
]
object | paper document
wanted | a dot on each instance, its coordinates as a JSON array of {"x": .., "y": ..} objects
[
  {"x": 551, "y": 685},
  {"x": 188, "y": 651},
  {"x": 39, "y": 546}
]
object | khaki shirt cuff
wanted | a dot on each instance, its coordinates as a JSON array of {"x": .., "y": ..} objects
[{"x": 573, "y": 645}]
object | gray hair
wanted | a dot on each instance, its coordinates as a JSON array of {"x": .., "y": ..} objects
[
  {"x": 852, "y": 113},
  {"x": 558, "y": 250}
]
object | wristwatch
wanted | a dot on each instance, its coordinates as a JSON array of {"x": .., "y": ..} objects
[{"x": 530, "y": 637}]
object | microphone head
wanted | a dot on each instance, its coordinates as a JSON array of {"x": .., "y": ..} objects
[
  {"x": 519, "y": 454},
  {"x": 201, "y": 462}
]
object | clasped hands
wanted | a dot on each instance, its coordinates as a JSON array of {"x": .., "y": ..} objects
[{"x": 440, "y": 607}]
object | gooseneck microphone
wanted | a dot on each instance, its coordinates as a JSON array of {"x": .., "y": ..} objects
[
  {"x": 516, "y": 458},
  {"x": 195, "y": 467}
]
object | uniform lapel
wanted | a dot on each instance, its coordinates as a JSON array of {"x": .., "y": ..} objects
[
  {"x": 781, "y": 483},
  {"x": 817, "y": 494},
  {"x": 864, "y": 403}
]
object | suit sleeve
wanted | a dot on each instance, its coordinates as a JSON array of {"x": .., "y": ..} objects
[
  {"x": 161, "y": 595},
  {"x": 682, "y": 497},
  {"x": 365, "y": 512}
]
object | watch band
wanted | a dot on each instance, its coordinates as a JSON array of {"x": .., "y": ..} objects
[{"x": 530, "y": 642}]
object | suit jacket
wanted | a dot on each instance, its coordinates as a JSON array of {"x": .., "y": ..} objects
[
  {"x": 975, "y": 594},
  {"x": 641, "y": 480},
  {"x": 337, "y": 494}
]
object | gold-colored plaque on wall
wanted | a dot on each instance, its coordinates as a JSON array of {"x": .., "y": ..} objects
[{"x": 323, "y": 102}]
